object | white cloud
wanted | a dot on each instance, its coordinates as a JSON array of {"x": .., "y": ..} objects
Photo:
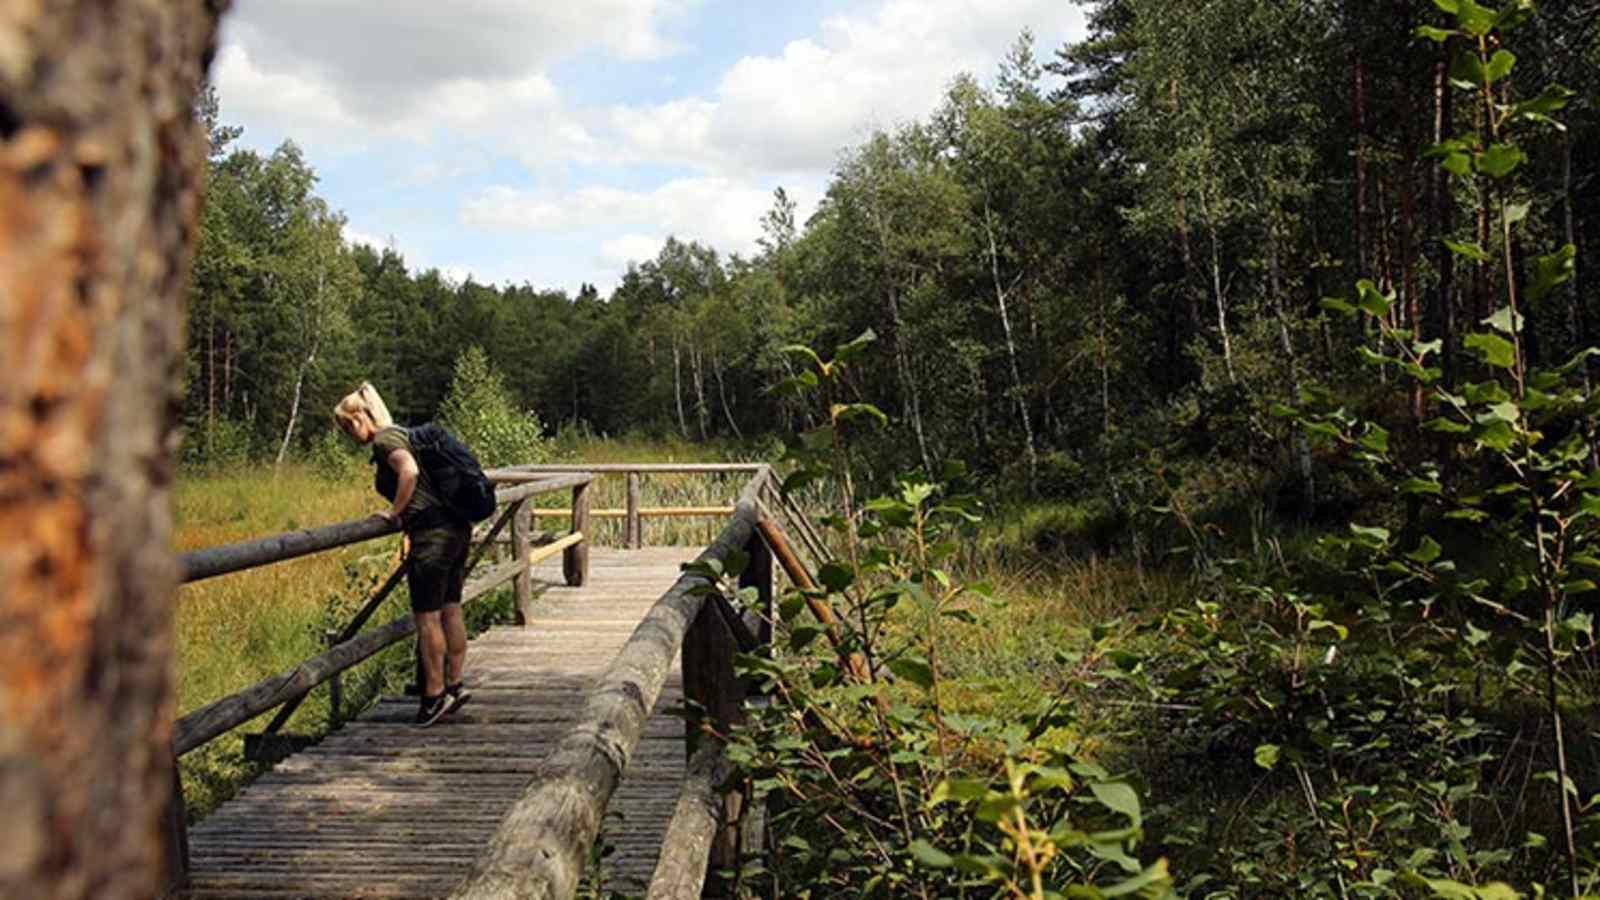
[
  {"x": 381, "y": 59},
  {"x": 617, "y": 253},
  {"x": 793, "y": 112},
  {"x": 713, "y": 209}
]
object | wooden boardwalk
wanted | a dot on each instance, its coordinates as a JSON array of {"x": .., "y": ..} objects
[{"x": 383, "y": 809}]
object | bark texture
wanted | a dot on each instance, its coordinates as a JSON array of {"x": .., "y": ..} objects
[{"x": 100, "y": 167}]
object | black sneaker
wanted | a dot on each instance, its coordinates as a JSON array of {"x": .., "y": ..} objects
[
  {"x": 432, "y": 709},
  {"x": 459, "y": 695}
]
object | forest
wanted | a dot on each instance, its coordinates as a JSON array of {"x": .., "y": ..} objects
[{"x": 1280, "y": 307}]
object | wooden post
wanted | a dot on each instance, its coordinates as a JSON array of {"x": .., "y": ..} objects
[
  {"x": 759, "y": 574},
  {"x": 716, "y": 698},
  {"x": 633, "y": 537},
  {"x": 335, "y": 687},
  {"x": 522, "y": 585},
  {"x": 575, "y": 562},
  {"x": 176, "y": 846}
]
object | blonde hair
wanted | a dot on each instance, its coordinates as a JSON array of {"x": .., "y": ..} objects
[{"x": 363, "y": 399}]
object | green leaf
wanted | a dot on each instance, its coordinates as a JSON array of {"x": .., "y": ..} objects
[
  {"x": 1423, "y": 485},
  {"x": 1373, "y": 300},
  {"x": 1437, "y": 35},
  {"x": 1500, "y": 160},
  {"x": 807, "y": 352},
  {"x": 1496, "y": 350},
  {"x": 1516, "y": 212},
  {"x": 1267, "y": 755},
  {"x": 843, "y": 412},
  {"x": 1370, "y": 535},
  {"x": 1552, "y": 99},
  {"x": 1505, "y": 321},
  {"x": 1466, "y": 69},
  {"x": 1446, "y": 426},
  {"x": 1426, "y": 552},
  {"x": 1468, "y": 249},
  {"x": 1449, "y": 6},
  {"x": 1475, "y": 19},
  {"x": 835, "y": 576},
  {"x": 960, "y": 790},
  {"x": 1156, "y": 874},
  {"x": 1500, "y": 65},
  {"x": 848, "y": 351},
  {"x": 1458, "y": 164},
  {"x": 917, "y": 671},
  {"x": 1551, "y": 270},
  {"x": 1334, "y": 304},
  {"x": 1117, "y": 796},
  {"x": 931, "y": 856}
]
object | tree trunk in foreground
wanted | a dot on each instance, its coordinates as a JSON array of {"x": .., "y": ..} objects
[{"x": 100, "y": 167}]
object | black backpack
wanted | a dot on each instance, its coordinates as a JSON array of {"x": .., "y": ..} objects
[{"x": 453, "y": 472}]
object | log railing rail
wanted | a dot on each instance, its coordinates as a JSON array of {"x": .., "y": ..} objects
[
  {"x": 542, "y": 844},
  {"x": 634, "y": 513},
  {"x": 290, "y": 688}
]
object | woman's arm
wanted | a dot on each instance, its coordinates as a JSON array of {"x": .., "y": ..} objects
[{"x": 405, "y": 470}]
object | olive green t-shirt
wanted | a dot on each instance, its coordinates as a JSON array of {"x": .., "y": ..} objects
[{"x": 423, "y": 498}]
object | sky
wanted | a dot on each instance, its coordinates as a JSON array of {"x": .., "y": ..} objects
[{"x": 549, "y": 143}]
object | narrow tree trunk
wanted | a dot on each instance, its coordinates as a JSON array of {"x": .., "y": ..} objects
[
  {"x": 211, "y": 378},
  {"x": 1408, "y": 263},
  {"x": 100, "y": 174},
  {"x": 1222, "y": 303},
  {"x": 294, "y": 405},
  {"x": 1011, "y": 354},
  {"x": 677, "y": 387},
  {"x": 722, "y": 394},
  {"x": 702, "y": 412},
  {"x": 1363, "y": 263},
  {"x": 227, "y": 370}
]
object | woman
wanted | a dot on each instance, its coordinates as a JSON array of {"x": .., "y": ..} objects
[{"x": 438, "y": 558}]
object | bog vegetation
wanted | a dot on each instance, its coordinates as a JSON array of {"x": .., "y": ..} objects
[{"x": 1204, "y": 412}]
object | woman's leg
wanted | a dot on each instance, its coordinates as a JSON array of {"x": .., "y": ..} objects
[
  {"x": 431, "y": 644},
  {"x": 454, "y": 635}
]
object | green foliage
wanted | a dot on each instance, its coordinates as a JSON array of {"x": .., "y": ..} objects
[
  {"x": 878, "y": 788},
  {"x": 480, "y": 411}
]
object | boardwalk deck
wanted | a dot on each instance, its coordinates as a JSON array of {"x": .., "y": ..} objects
[{"x": 382, "y": 809}]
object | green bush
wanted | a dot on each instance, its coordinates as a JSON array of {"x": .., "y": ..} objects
[{"x": 480, "y": 410}]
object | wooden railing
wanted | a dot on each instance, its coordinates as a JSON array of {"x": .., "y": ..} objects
[
  {"x": 634, "y": 513},
  {"x": 351, "y": 645},
  {"x": 542, "y": 844}
]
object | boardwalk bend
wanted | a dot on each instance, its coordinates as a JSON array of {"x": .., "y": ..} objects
[{"x": 576, "y": 736}]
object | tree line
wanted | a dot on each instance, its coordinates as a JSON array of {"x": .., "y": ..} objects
[{"x": 1117, "y": 249}]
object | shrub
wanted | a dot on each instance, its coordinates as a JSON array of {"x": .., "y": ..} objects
[{"x": 481, "y": 411}]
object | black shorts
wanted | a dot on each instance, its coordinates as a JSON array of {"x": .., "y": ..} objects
[{"x": 438, "y": 567}]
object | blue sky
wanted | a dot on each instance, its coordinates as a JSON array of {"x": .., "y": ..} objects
[{"x": 525, "y": 141}]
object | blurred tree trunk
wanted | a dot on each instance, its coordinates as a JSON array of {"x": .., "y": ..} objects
[{"x": 101, "y": 161}]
